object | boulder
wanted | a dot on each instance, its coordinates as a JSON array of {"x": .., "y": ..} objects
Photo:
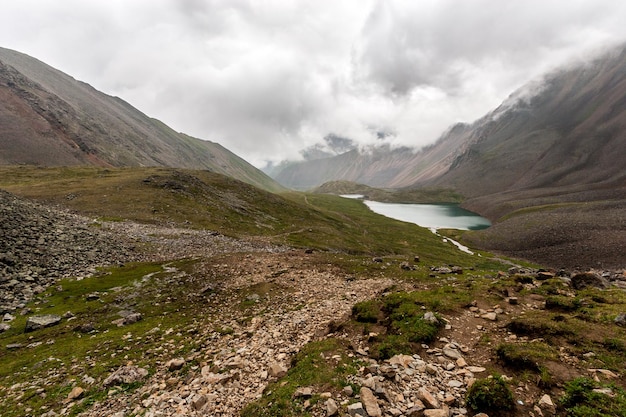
[
  {"x": 356, "y": 409},
  {"x": 39, "y": 322},
  {"x": 199, "y": 401},
  {"x": 175, "y": 364},
  {"x": 546, "y": 404},
  {"x": 430, "y": 317},
  {"x": 277, "y": 370},
  {"x": 407, "y": 266},
  {"x": 620, "y": 320},
  {"x": 417, "y": 410},
  {"x": 331, "y": 407},
  {"x": 440, "y": 412},
  {"x": 370, "y": 403},
  {"x": 451, "y": 353},
  {"x": 491, "y": 316},
  {"x": 589, "y": 279},
  {"x": 427, "y": 398},
  {"x": 544, "y": 275},
  {"x": 303, "y": 392},
  {"x": 75, "y": 394},
  {"x": 133, "y": 318},
  {"x": 400, "y": 359}
]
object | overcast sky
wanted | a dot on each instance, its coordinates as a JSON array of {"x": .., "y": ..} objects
[{"x": 269, "y": 78}]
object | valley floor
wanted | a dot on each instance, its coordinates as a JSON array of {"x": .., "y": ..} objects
[{"x": 245, "y": 327}]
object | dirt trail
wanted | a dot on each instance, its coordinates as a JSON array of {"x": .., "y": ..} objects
[{"x": 272, "y": 304}]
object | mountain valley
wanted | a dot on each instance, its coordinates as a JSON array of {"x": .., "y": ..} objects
[{"x": 147, "y": 273}]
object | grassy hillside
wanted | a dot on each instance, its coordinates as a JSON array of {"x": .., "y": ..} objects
[
  {"x": 404, "y": 195},
  {"x": 205, "y": 200}
]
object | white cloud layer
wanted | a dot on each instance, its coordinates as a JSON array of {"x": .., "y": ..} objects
[{"x": 269, "y": 78}]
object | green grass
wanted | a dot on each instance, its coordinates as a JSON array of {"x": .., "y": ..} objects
[
  {"x": 582, "y": 399},
  {"x": 490, "y": 395},
  {"x": 400, "y": 318},
  {"x": 581, "y": 321},
  {"x": 314, "y": 367},
  {"x": 51, "y": 358},
  {"x": 531, "y": 355}
]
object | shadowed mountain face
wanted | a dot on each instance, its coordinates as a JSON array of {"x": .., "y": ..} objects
[
  {"x": 570, "y": 134},
  {"x": 49, "y": 118}
]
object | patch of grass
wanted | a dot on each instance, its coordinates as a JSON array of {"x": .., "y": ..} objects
[
  {"x": 491, "y": 396},
  {"x": 615, "y": 345},
  {"x": 529, "y": 355},
  {"x": 51, "y": 357},
  {"x": 366, "y": 311},
  {"x": 323, "y": 365},
  {"x": 540, "y": 326},
  {"x": 584, "y": 398},
  {"x": 445, "y": 298},
  {"x": 564, "y": 304},
  {"x": 402, "y": 315}
]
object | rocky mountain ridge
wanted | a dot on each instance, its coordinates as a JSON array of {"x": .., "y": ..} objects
[{"x": 48, "y": 118}]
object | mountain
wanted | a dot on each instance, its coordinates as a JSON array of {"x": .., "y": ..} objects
[
  {"x": 377, "y": 166},
  {"x": 565, "y": 129},
  {"x": 569, "y": 134},
  {"x": 49, "y": 118},
  {"x": 550, "y": 169},
  {"x": 294, "y": 174}
]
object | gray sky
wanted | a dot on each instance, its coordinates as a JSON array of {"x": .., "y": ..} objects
[{"x": 269, "y": 78}]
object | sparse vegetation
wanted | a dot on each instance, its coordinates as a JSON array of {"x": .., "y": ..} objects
[
  {"x": 491, "y": 396},
  {"x": 529, "y": 356},
  {"x": 585, "y": 398},
  {"x": 322, "y": 365}
]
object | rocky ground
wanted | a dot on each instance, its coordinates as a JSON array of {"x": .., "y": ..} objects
[
  {"x": 39, "y": 245},
  {"x": 291, "y": 298}
]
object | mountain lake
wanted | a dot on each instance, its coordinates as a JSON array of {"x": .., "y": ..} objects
[{"x": 432, "y": 216}]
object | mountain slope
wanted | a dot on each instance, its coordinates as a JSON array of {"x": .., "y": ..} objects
[
  {"x": 571, "y": 133},
  {"x": 49, "y": 118},
  {"x": 568, "y": 130},
  {"x": 551, "y": 171},
  {"x": 548, "y": 168},
  {"x": 377, "y": 166}
]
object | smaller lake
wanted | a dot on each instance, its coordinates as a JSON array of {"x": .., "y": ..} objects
[{"x": 433, "y": 216}]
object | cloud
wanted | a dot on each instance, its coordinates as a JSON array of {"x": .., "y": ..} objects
[{"x": 268, "y": 79}]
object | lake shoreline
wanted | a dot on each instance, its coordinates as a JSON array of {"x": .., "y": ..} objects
[{"x": 437, "y": 216}]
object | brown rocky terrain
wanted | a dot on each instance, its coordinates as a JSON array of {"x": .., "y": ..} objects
[
  {"x": 258, "y": 308},
  {"x": 39, "y": 245}
]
